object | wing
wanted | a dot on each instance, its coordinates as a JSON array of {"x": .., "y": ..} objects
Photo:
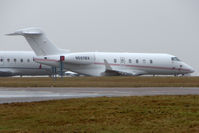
[{"x": 109, "y": 71}]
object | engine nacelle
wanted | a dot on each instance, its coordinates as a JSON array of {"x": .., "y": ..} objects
[
  {"x": 73, "y": 58},
  {"x": 48, "y": 60}
]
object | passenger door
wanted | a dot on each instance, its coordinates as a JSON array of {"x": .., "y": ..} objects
[{"x": 176, "y": 65}]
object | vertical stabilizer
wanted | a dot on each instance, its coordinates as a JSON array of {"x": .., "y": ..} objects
[{"x": 39, "y": 42}]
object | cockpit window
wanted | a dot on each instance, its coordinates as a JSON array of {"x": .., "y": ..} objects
[{"x": 175, "y": 59}]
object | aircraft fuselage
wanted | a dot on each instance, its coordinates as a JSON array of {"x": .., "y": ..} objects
[{"x": 92, "y": 63}]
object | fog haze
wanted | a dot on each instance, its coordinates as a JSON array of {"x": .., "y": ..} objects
[{"x": 152, "y": 26}]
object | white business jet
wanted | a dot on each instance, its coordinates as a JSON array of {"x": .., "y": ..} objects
[
  {"x": 102, "y": 63},
  {"x": 13, "y": 63}
]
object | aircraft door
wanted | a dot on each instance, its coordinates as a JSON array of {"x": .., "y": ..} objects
[
  {"x": 176, "y": 65},
  {"x": 173, "y": 64}
]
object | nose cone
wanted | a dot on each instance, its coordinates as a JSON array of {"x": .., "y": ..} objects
[{"x": 189, "y": 69}]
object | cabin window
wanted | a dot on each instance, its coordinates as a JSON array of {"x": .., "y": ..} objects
[
  {"x": 115, "y": 61},
  {"x": 21, "y": 60},
  {"x": 137, "y": 61},
  {"x": 1, "y": 60},
  {"x": 28, "y": 60},
  {"x": 144, "y": 61},
  {"x": 130, "y": 61},
  {"x": 15, "y": 60},
  {"x": 8, "y": 60},
  {"x": 151, "y": 61},
  {"x": 45, "y": 58}
]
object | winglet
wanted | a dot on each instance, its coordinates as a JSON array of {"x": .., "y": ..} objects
[{"x": 107, "y": 66}]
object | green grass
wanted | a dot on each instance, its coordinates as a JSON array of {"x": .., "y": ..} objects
[
  {"x": 101, "y": 82},
  {"x": 148, "y": 114}
]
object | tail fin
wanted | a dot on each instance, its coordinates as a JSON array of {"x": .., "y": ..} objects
[{"x": 39, "y": 42}]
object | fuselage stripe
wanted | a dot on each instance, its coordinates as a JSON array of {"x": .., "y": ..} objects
[{"x": 154, "y": 67}]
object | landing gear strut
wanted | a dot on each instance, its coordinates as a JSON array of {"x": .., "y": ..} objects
[{"x": 54, "y": 72}]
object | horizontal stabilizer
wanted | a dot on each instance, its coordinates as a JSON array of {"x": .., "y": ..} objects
[{"x": 28, "y": 31}]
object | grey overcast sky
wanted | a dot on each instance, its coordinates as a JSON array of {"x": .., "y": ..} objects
[{"x": 154, "y": 26}]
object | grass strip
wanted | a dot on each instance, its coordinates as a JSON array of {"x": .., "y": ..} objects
[
  {"x": 100, "y": 82},
  {"x": 146, "y": 114}
]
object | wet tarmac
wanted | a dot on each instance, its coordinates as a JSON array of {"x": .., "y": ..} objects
[{"x": 9, "y": 95}]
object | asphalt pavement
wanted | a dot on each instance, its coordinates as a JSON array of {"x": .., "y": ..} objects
[{"x": 9, "y": 95}]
